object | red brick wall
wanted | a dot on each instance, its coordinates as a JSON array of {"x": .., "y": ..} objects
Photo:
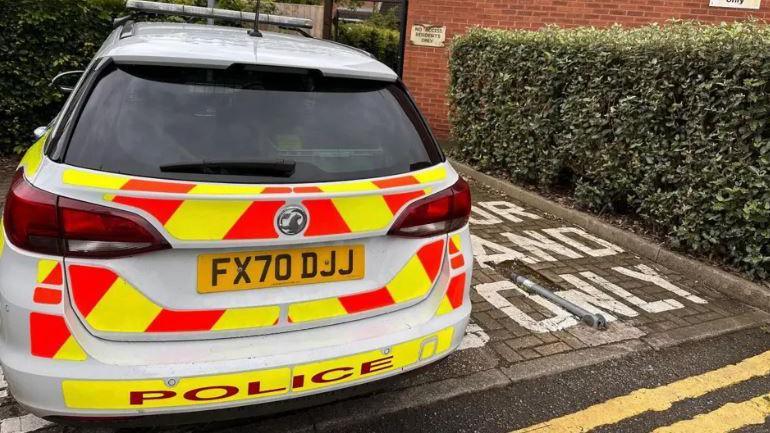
[{"x": 425, "y": 68}]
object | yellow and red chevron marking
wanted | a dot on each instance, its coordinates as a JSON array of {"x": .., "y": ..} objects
[
  {"x": 108, "y": 303},
  {"x": 114, "y": 182},
  {"x": 49, "y": 272},
  {"x": 454, "y": 296},
  {"x": 413, "y": 281},
  {"x": 207, "y": 220},
  {"x": 51, "y": 338}
]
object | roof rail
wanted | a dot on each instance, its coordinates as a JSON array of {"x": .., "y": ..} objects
[{"x": 151, "y": 7}]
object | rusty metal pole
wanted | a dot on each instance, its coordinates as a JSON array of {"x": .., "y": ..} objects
[{"x": 328, "y": 12}]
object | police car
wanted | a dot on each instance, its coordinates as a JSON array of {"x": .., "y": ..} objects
[{"x": 221, "y": 217}]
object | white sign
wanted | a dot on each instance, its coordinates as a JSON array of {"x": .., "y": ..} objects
[
  {"x": 735, "y": 4},
  {"x": 427, "y": 35}
]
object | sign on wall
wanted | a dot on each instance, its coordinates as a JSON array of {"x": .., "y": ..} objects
[
  {"x": 427, "y": 35},
  {"x": 735, "y": 4}
]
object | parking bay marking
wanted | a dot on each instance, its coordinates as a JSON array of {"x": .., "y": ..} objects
[{"x": 658, "y": 399}]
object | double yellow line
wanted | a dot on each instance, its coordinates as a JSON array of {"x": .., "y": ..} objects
[{"x": 725, "y": 419}]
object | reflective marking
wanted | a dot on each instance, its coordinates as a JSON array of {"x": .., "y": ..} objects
[
  {"x": 244, "y": 318},
  {"x": 205, "y": 220},
  {"x": 727, "y": 418},
  {"x": 656, "y": 399},
  {"x": 33, "y": 157}
]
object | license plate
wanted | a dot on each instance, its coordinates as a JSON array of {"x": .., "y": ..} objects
[{"x": 262, "y": 269}]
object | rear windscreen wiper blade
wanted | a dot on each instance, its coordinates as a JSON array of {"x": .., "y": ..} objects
[{"x": 273, "y": 168}]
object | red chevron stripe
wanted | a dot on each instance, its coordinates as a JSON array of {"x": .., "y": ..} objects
[
  {"x": 89, "y": 284},
  {"x": 54, "y": 277},
  {"x": 161, "y": 209},
  {"x": 324, "y": 218},
  {"x": 396, "y": 201},
  {"x": 155, "y": 186},
  {"x": 257, "y": 222},
  {"x": 452, "y": 247},
  {"x": 47, "y": 334},
  {"x": 455, "y": 290},
  {"x": 277, "y": 190},
  {"x": 367, "y": 301},
  {"x": 396, "y": 181},
  {"x": 430, "y": 256},
  {"x": 457, "y": 261},
  {"x": 307, "y": 189},
  {"x": 184, "y": 321},
  {"x": 43, "y": 295}
]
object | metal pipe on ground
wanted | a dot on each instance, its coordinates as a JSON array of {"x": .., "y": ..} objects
[{"x": 596, "y": 321}]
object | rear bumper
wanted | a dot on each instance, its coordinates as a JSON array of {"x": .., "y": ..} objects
[
  {"x": 87, "y": 376},
  {"x": 94, "y": 389}
]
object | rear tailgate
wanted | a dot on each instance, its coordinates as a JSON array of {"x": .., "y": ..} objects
[{"x": 170, "y": 294}]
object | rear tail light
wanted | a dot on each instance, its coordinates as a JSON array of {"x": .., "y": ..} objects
[
  {"x": 439, "y": 213},
  {"x": 41, "y": 222}
]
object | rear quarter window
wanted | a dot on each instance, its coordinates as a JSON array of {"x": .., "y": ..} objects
[{"x": 141, "y": 118}]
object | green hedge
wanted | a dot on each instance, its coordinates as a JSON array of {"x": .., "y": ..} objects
[
  {"x": 379, "y": 41},
  {"x": 39, "y": 39},
  {"x": 669, "y": 124}
]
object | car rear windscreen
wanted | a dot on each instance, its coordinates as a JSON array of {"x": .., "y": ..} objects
[{"x": 247, "y": 125}]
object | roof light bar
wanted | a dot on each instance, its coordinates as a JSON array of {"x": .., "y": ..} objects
[{"x": 222, "y": 14}]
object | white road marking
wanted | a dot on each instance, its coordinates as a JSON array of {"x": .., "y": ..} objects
[
  {"x": 23, "y": 424},
  {"x": 504, "y": 254},
  {"x": 508, "y": 210},
  {"x": 474, "y": 337},
  {"x": 561, "y": 318},
  {"x": 649, "y": 275},
  {"x": 487, "y": 219},
  {"x": 535, "y": 243},
  {"x": 560, "y": 233}
]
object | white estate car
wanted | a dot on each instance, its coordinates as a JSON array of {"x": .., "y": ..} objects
[{"x": 217, "y": 219}]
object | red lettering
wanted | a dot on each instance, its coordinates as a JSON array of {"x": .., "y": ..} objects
[
  {"x": 255, "y": 388},
  {"x": 320, "y": 376},
  {"x": 298, "y": 381},
  {"x": 377, "y": 365},
  {"x": 192, "y": 394},
  {"x": 138, "y": 397}
]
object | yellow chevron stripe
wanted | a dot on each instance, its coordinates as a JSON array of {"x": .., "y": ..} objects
[
  {"x": 2, "y": 237},
  {"x": 316, "y": 310},
  {"x": 93, "y": 180},
  {"x": 243, "y": 318},
  {"x": 33, "y": 157},
  {"x": 70, "y": 351},
  {"x": 44, "y": 268},
  {"x": 444, "y": 307},
  {"x": 205, "y": 220},
  {"x": 656, "y": 399},
  {"x": 122, "y": 309},
  {"x": 727, "y": 418},
  {"x": 364, "y": 213},
  {"x": 411, "y": 282},
  {"x": 349, "y": 187},
  {"x": 222, "y": 189},
  {"x": 433, "y": 174}
]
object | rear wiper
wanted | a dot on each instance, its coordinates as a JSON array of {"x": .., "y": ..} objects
[
  {"x": 420, "y": 165},
  {"x": 273, "y": 168}
]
